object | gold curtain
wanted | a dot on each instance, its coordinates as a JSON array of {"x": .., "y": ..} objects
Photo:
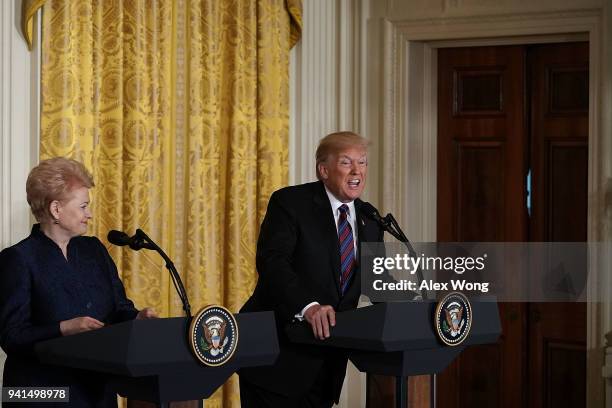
[{"x": 180, "y": 109}]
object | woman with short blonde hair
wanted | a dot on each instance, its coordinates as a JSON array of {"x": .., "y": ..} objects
[
  {"x": 52, "y": 180},
  {"x": 57, "y": 282}
]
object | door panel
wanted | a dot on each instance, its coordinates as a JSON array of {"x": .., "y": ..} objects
[
  {"x": 482, "y": 158},
  {"x": 559, "y": 79}
]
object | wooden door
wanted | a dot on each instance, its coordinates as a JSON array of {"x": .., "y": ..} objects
[
  {"x": 482, "y": 164},
  {"x": 559, "y": 84},
  {"x": 505, "y": 112}
]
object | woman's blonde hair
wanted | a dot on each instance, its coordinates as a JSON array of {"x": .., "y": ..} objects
[{"x": 54, "y": 179}]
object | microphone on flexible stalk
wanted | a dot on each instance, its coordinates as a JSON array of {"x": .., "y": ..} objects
[
  {"x": 136, "y": 242},
  {"x": 389, "y": 224},
  {"x": 139, "y": 241}
]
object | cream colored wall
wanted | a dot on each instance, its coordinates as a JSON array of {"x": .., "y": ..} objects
[
  {"x": 325, "y": 80},
  {"x": 386, "y": 51},
  {"x": 18, "y": 129}
]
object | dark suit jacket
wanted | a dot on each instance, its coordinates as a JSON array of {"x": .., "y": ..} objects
[
  {"x": 298, "y": 262},
  {"x": 38, "y": 289}
]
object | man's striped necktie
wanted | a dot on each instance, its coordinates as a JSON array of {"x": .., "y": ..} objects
[{"x": 347, "y": 249}]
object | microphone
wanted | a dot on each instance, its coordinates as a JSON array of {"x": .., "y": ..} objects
[
  {"x": 136, "y": 242},
  {"x": 371, "y": 212},
  {"x": 118, "y": 238},
  {"x": 390, "y": 224},
  {"x": 141, "y": 240}
]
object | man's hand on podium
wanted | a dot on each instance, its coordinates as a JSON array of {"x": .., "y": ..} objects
[
  {"x": 320, "y": 317},
  {"x": 147, "y": 313}
]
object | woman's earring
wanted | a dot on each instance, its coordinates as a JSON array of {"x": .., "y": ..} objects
[{"x": 56, "y": 221}]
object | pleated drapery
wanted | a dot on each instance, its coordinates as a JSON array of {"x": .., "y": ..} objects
[{"x": 180, "y": 110}]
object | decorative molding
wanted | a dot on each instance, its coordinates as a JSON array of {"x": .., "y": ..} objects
[
  {"x": 421, "y": 9},
  {"x": 347, "y": 70},
  {"x": 526, "y": 39},
  {"x": 409, "y": 126},
  {"x": 19, "y": 113},
  {"x": 604, "y": 263},
  {"x": 324, "y": 81},
  {"x": 495, "y": 26},
  {"x": 314, "y": 109},
  {"x": 19, "y": 129},
  {"x": 391, "y": 108}
]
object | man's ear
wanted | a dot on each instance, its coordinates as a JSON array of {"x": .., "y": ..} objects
[{"x": 323, "y": 171}]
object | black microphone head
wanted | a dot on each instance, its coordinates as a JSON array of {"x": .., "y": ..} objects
[
  {"x": 369, "y": 211},
  {"x": 119, "y": 238}
]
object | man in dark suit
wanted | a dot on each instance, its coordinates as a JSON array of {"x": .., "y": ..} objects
[{"x": 307, "y": 261}]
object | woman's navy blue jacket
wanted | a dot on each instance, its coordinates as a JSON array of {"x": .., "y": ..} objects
[{"x": 38, "y": 289}]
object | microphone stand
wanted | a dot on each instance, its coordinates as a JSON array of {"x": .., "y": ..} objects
[
  {"x": 392, "y": 227},
  {"x": 142, "y": 240},
  {"x": 401, "y": 392}
]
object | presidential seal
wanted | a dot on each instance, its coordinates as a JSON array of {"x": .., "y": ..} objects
[
  {"x": 213, "y": 335},
  {"x": 453, "y": 319}
]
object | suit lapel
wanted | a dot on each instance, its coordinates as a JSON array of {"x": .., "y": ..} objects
[
  {"x": 328, "y": 225},
  {"x": 360, "y": 222}
]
